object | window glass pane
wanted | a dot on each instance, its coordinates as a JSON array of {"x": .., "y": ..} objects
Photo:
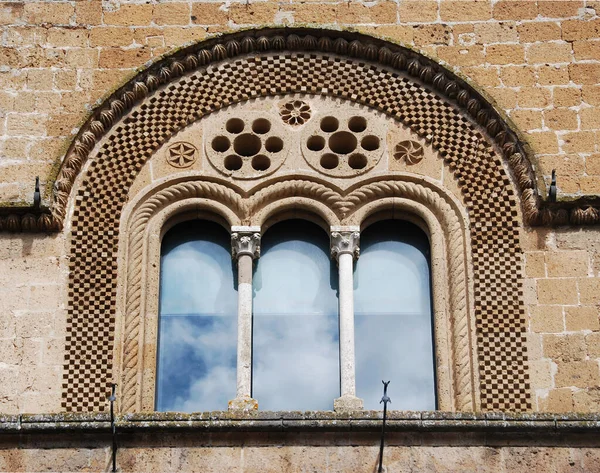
[
  {"x": 296, "y": 342},
  {"x": 392, "y": 301},
  {"x": 198, "y": 320}
]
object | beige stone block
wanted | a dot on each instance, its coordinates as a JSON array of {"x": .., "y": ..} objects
[
  {"x": 65, "y": 79},
  {"x": 34, "y": 324},
  {"x": 517, "y": 76},
  {"x": 413, "y": 11},
  {"x": 176, "y": 36},
  {"x": 586, "y": 50},
  {"x": 505, "y": 54},
  {"x": 567, "y": 263},
  {"x": 540, "y": 374},
  {"x": 9, "y": 386},
  {"x": 533, "y": 97},
  {"x": 592, "y": 341},
  {"x": 553, "y": 75},
  {"x": 499, "y": 32},
  {"x": 582, "y": 318},
  {"x": 71, "y": 37},
  {"x": 44, "y": 297},
  {"x": 547, "y": 319},
  {"x": 587, "y": 400},
  {"x": 578, "y": 142},
  {"x": 581, "y": 374},
  {"x": 129, "y": 15},
  {"x": 592, "y": 164},
  {"x": 483, "y": 75},
  {"x": 111, "y": 36},
  {"x": 505, "y": 98},
  {"x": 559, "y": 8},
  {"x": 13, "y": 148},
  {"x": 171, "y": 13},
  {"x": 209, "y": 14},
  {"x": 565, "y": 165},
  {"x": 120, "y": 58},
  {"x": 462, "y": 56},
  {"x": 535, "y": 264},
  {"x": 11, "y": 351},
  {"x": 431, "y": 34},
  {"x": 30, "y": 124},
  {"x": 88, "y": 12},
  {"x": 62, "y": 124},
  {"x": 584, "y": 73},
  {"x": 590, "y": 184},
  {"x": 53, "y": 352},
  {"x": 530, "y": 292},
  {"x": 564, "y": 348},
  {"x": 589, "y": 290},
  {"x": 557, "y": 291},
  {"x": 79, "y": 57},
  {"x": 531, "y": 32},
  {"x": 43, "y": 149},
  {"x": 40, "y": 79},
  {"x": 25, "y": 36},
  {"x": 544, "y": 53},
  {"x": 558, "y": 400},
  {"x": 527, "y": 119},
  {"x": 50, "y": 13},
  {"x": 580, "y": 29},
  {"x": 13, "y": 298},
  {"x": 356, "y": 13},
  {"x": 451, "y": 10},
  {"x": 396, "y": 33},
  {"x": 591, "y": 94},
  {"x": 253, "y": 13},
  {"x": 543, "y": 142},
  {"x": 566, "y": 96},
  {"x": 589, "y": 119},
  {"x": 515, "y": 10},
  {"x": 11, "y": 13}
]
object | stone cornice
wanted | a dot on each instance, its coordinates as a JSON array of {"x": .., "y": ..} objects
[
  {"x": 421, "y": 70},
  {"x": 319, "y": 421}
]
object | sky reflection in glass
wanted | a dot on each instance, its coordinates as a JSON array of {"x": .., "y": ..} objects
[
  {"x": 392, "y": 303},
  {"x": 198, "y": 320},
  {"x": 295, "y": 334}
]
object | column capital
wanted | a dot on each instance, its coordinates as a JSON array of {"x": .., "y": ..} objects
[
  {"x": 245, "y": 241},
  {"x": 345, "y": 240}
]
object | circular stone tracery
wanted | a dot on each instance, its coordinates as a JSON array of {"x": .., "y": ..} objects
[{"x": 247, "y": 146}]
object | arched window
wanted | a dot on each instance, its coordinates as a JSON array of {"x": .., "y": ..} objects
[
  {"x": 295, "y": 335},
  {"x": 197, "y": 319},
  {"x": 393, "y": 317}
]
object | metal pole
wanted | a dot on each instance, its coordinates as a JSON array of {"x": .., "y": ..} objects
[
  {"x": 112, "y": 399},
  {"x": 385, "y": 399}
]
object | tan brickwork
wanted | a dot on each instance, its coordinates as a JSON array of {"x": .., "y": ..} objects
[
  {"x": 539, "y": 60},
  {"x": 563, "y": 276}
]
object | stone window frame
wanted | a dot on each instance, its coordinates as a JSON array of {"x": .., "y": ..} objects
[{"x": 419, "y": 200}]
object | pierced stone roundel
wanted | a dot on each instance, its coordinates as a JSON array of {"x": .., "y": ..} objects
[
  {"x": 182, "y": 154},
  {"x": 410, "y": 151},
  {"x": 295, "y": 112},
  {"x": 245, "y": 145},
  {"x": 343, "y": 143}
]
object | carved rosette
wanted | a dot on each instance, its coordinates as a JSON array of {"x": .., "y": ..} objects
[
  {"x": 245, "y": 243},
  {"x": 345, "y": 242}
]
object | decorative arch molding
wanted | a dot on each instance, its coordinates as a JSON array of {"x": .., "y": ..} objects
[
  {"x": 473, "y": 141},
  {"x": 146, "y": 218}
]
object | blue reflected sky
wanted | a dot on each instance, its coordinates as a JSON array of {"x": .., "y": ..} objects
[
  {"x": 393, "y": 317},
  {"x": 198, "y": 320},
  {"x": 296, "y": 339}
]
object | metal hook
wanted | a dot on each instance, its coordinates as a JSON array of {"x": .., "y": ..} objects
[
  {"x": 385, "y": 399},
  {"x": 112, "y": 398},
  {"x": 553, "y": 190},
  {"x": 37, "y": 196}
]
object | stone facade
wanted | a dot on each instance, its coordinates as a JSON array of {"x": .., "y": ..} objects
[{"x": 535, "y": 64}]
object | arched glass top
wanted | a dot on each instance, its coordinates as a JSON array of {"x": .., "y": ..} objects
[
  {"x": 296, "y": 340},
  {"x": 197, "y": 322},
  {"x": 393, "y": 317}
]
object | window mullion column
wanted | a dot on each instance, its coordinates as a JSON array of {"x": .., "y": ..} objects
[
  {"x": 245, "y": 247},
  {"x": 345, "y": 249}
]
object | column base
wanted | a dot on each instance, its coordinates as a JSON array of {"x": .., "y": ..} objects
[
  {"x": 243, "y": 404},
  {"x": 347, "y": 403}
]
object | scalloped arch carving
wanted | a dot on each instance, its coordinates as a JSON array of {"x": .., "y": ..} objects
[{"x": 440, "y": 109}]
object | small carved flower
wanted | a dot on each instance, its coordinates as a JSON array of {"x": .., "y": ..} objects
[
  {"x": 296, "y": 112},
  {"x": 411, "y": 151},
  {"x": 181, "y": 154}
]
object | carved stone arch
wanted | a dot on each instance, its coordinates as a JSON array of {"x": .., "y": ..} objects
[{"x": 436, "y": 106}]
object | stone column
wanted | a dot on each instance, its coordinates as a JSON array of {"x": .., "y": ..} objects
[
  {"x": 245, "y": 247},
  {"x": 344, "y": 248}
]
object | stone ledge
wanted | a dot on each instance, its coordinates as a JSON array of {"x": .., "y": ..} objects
[{"x": 324, "y": 421}]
